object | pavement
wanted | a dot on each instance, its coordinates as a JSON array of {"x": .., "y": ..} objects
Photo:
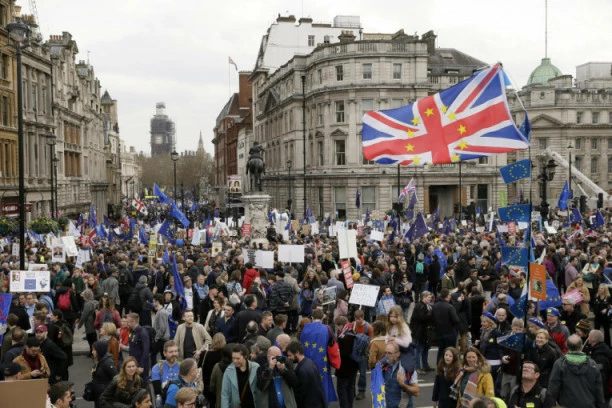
[{"x": 80, "y": 347}]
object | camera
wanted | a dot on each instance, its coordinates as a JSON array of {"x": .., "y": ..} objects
[{"x": 280, "y": 359}]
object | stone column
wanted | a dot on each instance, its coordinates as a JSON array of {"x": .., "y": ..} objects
[{"x": 256, "y": 214}]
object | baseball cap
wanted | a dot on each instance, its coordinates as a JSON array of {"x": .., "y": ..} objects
[
  {"x": 12, "y": 369},
  {"x": 41, "y": 328}
]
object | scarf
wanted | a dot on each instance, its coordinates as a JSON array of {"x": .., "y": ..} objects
[
  {"x": 470, "y": 390},
  {"x": 33, "y": 362}
]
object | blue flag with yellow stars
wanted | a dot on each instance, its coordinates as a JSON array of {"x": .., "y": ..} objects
[
  {"x": 377, "y": 386},
  {"x": 516, "y": 213},
  {"x": 553, "y": 298},
  {"x": 516, "y": 256},
  {"x": 314, "y": 338},
  {"x": 513, "y": 341},
  {"x": 516, "y": 171}
]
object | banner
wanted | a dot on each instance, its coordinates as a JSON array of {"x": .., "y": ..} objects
[
  {"x": 5, "y": 306},
  {"x": 30, "y": 281},
  {"x": 246, "y": 230},
  {"x": 537, "y": 281},
  {"x": 365, "y": 295},
  {"x": 348, "y": 274}
]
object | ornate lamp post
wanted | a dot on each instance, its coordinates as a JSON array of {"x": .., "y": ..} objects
[
  {"x": 289, "y": 200},
  {"x": 19, "y": 32},
  {"x": 547, "y": 174},
  {"x": 51, "y": 142},
  {"x": 174, "y": 156}
]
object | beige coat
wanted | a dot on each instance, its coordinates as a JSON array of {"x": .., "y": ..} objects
[{"x": 200, "y": 337}]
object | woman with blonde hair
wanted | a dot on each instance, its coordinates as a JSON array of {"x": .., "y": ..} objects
[
  {"x": 601, "y": 307},
  {"x": 580, "y": 285},
  {"x": 399, "y": 333},
  {"x": 108, "y": 333},
  {"x": 124, "y": 386},
  {"x": 474, "y": 378}
]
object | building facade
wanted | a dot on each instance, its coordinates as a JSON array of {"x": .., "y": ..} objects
[
  {"x": 329, "y": 90},
  {"x": 112, "y": 143},
  {"x": 162, "y": 132},
  {"x": 131, "y": 172}
]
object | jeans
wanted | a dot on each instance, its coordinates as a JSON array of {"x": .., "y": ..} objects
[
  {"x": 422, "y": 351},
  {"x": 346, "y": 391},
  {"x": 449, "y": 340},
  {"x": 362, "y": 381}
]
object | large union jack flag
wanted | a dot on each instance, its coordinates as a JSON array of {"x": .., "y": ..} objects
[
  {"x": 466, "y": 121},
  {"x": 409, "y": 188}
]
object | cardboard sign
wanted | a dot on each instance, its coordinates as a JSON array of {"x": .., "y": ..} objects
[
  {"x": 264, "y": 259},
  {"x": 246, "y": 230},
  {"x": 365, "y": 295},
  {"x": 511, "y": 228},
  {"x": 386, "y": 303},
  {"x": 57, "y": 249},
  {"x": 537, "y": 281},
  {"x": 70, "y": 246},
  {"x": 217, "y": 247},
  {"x": 30, "y": 281},
  {"x": 314, "y": 228},
  {"x": 291, "y": 253},
  {"x": 575, "y": 296},
  {"x": 30, "y": 393},
  {"x": 329, "y": 295},
  {"x": 347, "y": 243},
  {"x": 377, "y": 236},
  {"x": 348, "y": 274},
  {"x": 15, "y": 249}
]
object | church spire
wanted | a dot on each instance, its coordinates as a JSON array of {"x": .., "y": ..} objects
[{"x": 200, "y": 143}]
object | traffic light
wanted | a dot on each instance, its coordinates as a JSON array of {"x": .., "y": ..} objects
[
  {"x": 583, "y": 204},
  {"x": 599, "y": 201}
]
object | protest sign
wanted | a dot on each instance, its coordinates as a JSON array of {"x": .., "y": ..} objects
[
  {"x": 246, "y": 230},
  {"x": 264, "y": 259},
  {"x": 30, "y": 281},
  {"x": 377, "y": 236},
  {"x": 348, "y": 273},
  {"x": 537, "y": 281},
  {"x": 291, "y": 253},
  {"x": 347, "y": 243},
  {"x": 217, "y": 247},
  {"x": 329, "y": 295},
  {"x": 70, "y": 246},
  {"x": 365, "y": 295},
  {"x": 574, "y": 296}
]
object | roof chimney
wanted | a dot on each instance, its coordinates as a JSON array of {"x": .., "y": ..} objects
[{"x": 346, "y": 36}]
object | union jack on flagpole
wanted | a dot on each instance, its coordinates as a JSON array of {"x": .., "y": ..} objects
[{"x": 410, "y": 188}]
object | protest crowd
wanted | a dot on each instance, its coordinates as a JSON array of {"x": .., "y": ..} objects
[{"x": 174, "y": 321}]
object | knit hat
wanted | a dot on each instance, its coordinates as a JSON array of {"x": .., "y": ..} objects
[
  {"x": 101, "y": 348},
  {"x": 553, "y": 311},
  {"x": 584, "y": 325},
  {"x": 489, "y": 316},
  {"x": 537, "y": 322}
]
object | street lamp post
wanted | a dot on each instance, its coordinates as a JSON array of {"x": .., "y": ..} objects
[
  {"x": 51, "y": 142},
  {"x": 547, "y": 174},
  {"x": 174, "y": 156},
  {"x": 569, "y": 183},
  {"x": 20, "y": 33},
  {"x": 55, "y": 160},
  {"x": 289, "y": 200}
]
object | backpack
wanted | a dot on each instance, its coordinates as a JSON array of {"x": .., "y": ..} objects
[
  {"x": 107, "y": 316},
  {"x": 361, "y": 346},
  {"x": 64, "y": 302},
  {"x": 65, "y": 334},
  {"x": 134, "y": 303},
  {"x": 420, "y": 267},
  {"x": 164, "y": 393}
]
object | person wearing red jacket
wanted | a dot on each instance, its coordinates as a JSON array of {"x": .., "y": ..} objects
[{"x": 249, "y": 277}]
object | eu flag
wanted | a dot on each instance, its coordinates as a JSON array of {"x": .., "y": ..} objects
[
  {"x": 143, "y": 236},
  {"x": 515, "y": 256},
  {"x": 599, "y": 221},
  {"x": 314, "y": 337},
  {"x": 166, "y": 257},
  {"x": 358, "y": 199},
  {"x": 516, "y": 213},
  {"x": 575, "y": 216},
  {"x": 178, "y": 284},
  {"x": 564, "y": 197},
  {"x": 553, "y": 298},
  {"x": 92, "y": 217},
  {"x": 178, "y": 214},
  {"x": 418, "y": 229},
  {"x": 513, "y": 341},
  {"x": 164, "y": 231},
  {"x": 516, "y": 171},
  {"x": 377, "y": 386},
  {"x": 160, "y": 194}
]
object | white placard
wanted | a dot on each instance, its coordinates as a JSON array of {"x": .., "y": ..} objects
[
  {"x": 365, "y": 295},
  {"x": 502, "y": 228},
  {"x": 464, "y": 223},
  {"x": 70, "y": 246},
  {"x": 522, "y": 225},
  {"x": 339, "y": 226},
  {"x": 264, "y": 259},
  {"x": 58, "y": 251},
  {"x": 15, "y": 249},
  {"x": 30, "y": 281},
  {"x": 347, "y": 243},
  {"x": 377, "y": 236},
  {"x": 314, "y": 228},
  {"x": 480, "y": 230},
  {"x": 551, "y": 230},
  {"x": 291, "y": 253},
  {"x": 217, "y": 247},
  {"x": 331, "y": 231}
]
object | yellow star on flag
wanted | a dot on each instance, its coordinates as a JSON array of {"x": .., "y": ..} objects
[
  {"x": 429, "y": 112},
  {"x": 416, "y": 160},
  {"x": 409, "y": 147},
  {"x": 461, "y": 129},
  {"x": 306, "y": 343},
  {"x": 325, "y": 369},
  {"x": 455, "y": 157},
  {"x": 380, "y": 398},
  {"x": 451, "y": 116},
  {"x": 314, "y": 345},
  {"x": 416, "y": 121},
  {"x": 325, "y": 358},
  {"x": 443, "y": 108},
  {"x": 410, "y": 133},
  {"x": 462, "y": 144},
  {"x": 320, "y": 349}
]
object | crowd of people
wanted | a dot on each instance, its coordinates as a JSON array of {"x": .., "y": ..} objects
[{"x": 216, "y": 331}]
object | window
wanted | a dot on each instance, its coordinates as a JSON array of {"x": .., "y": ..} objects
[
  {"x": 321, "y": 201},
  {"x": 577, "y": 162},
  {"x": 396, "y": 103},
  {"x": 368, "y": 198},
  {"x": 339, "y": 73},
  {"x": 319, "y": 114},
  {"x": 5, "y": 66},
  {"x": 609, "y": 165},
  {"x": 543, "y": 144},
  {"x": 483, "y": 160},
  {"x": 594, "y": 164},
  {"x": 397, "y": 71},
  {"x": 578, "y": 144},
  {"x": 578, "y": 117},
  {"x": 321, "y": 151},
  {"x": 593, "y": 143},
  {"x": 339, "y": 111},
  {"x": 609, "y": 143},
  {"x": 311, "y": 41},
  {"x": 44, "y": 100},
  {"x": 366, "y": 106},
  {"x": 5, "y": 111},
  {"x": 367, "y": 71},
  {"x": 595, "y": 118},
  {"x": 340, "y": 152},
  {"x": 320, "y": 75},
  {"x": 609, "y": 117},
  {"x": 340, "y": 201}
]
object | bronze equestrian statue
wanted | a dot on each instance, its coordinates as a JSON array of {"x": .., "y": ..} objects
[{"x": 256, "y": 166}]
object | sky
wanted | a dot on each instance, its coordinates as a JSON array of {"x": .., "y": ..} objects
[{"x": 147, "y": 51}]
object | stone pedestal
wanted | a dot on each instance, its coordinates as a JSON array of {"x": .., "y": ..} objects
[{"x": 256, "y": 214}]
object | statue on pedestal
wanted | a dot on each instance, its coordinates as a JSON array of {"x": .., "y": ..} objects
[{"x": 256, "y": 166}]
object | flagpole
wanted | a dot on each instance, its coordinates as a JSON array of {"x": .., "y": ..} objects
[{"x": 229, "y": 75}]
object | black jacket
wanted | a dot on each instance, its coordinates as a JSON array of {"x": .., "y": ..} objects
[
  {"x": 419, "y": 322},
  {"x": 243, "y": 318},
  {"x": 281, "y": 296},
  {"x": 602, "y": 355},
  {"x": 12, "y": 353},
  {"x": 446, "y": 321},
  {"x": 56, "y": 358},
  {"x": 115, "y": 397},
  {"x": 145, "y": 296},
  {"x": 104, "y": 372},
  {"x": 24, "y": 319},
  {"x": 348, "y": 366},
  {"x": 206, "y": 305},
  {"x": 537, "y": 397},
  {"x": 309, "y": 393},
  {"x": 545, "y": 358},
  {"x": 464, "y": 311}
]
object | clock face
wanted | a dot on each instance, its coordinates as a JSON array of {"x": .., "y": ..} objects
[{"x": 158, "y": 139}]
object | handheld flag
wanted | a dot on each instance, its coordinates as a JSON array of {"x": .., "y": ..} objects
[
  {"x": 166, "y": 257},
  {"x": 575, "y": 216},
  {"x": 599, "y": 221},
  {"x": 160, "y": 194},
  {"x": 564, "y": 197},
  {"x": 357, "y": 199},
  {"x": 517, "y": 213},
  {"x": 143, "y": 236},
  {"x": 314, "y": 337},
  {"x": 178, "y": 284},
  {"x": 92, "y": 216},
  {"x": 409, "y": 188},
  {"x": 377, "y": 386},
  {"x": 516, "y": 256},
  {"x": 231, "y": 62},
  {"x": 178, "y": 214},
  {"x": 513, "y": 341},
  {"x": 516, "y": 171},
  {"x": 418, "y": 229},
  {"x": 466, "y": 121}
]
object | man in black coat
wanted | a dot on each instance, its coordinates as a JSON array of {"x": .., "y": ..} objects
[
  {"x": 462, "y": 304},
  {"x": 248, "y": 315},
  {"x": 56, "y": 358},
  {"x": 419, "y": 325},
  {"x": 347, "y": 373},
  {"x": 446, "y": 322},
  {"x": 17, "y": 338},
  {"x": 19, "y": 310},
  {"x": 602, "y": 355},
  {"x": 309, "y": 393},
  {"x": 105, "y": 368}
]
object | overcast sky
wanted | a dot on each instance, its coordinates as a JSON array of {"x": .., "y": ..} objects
[{"x": 145, "y": 51}]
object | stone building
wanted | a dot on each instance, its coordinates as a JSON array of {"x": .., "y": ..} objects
[
  {"x": 332, "y": 87},
  {"x": 131, "y": 171},
  {"x": 112, "y": 145},
  {"x": 565, "y": 112},
  {"x": 163, "y": 138}
]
